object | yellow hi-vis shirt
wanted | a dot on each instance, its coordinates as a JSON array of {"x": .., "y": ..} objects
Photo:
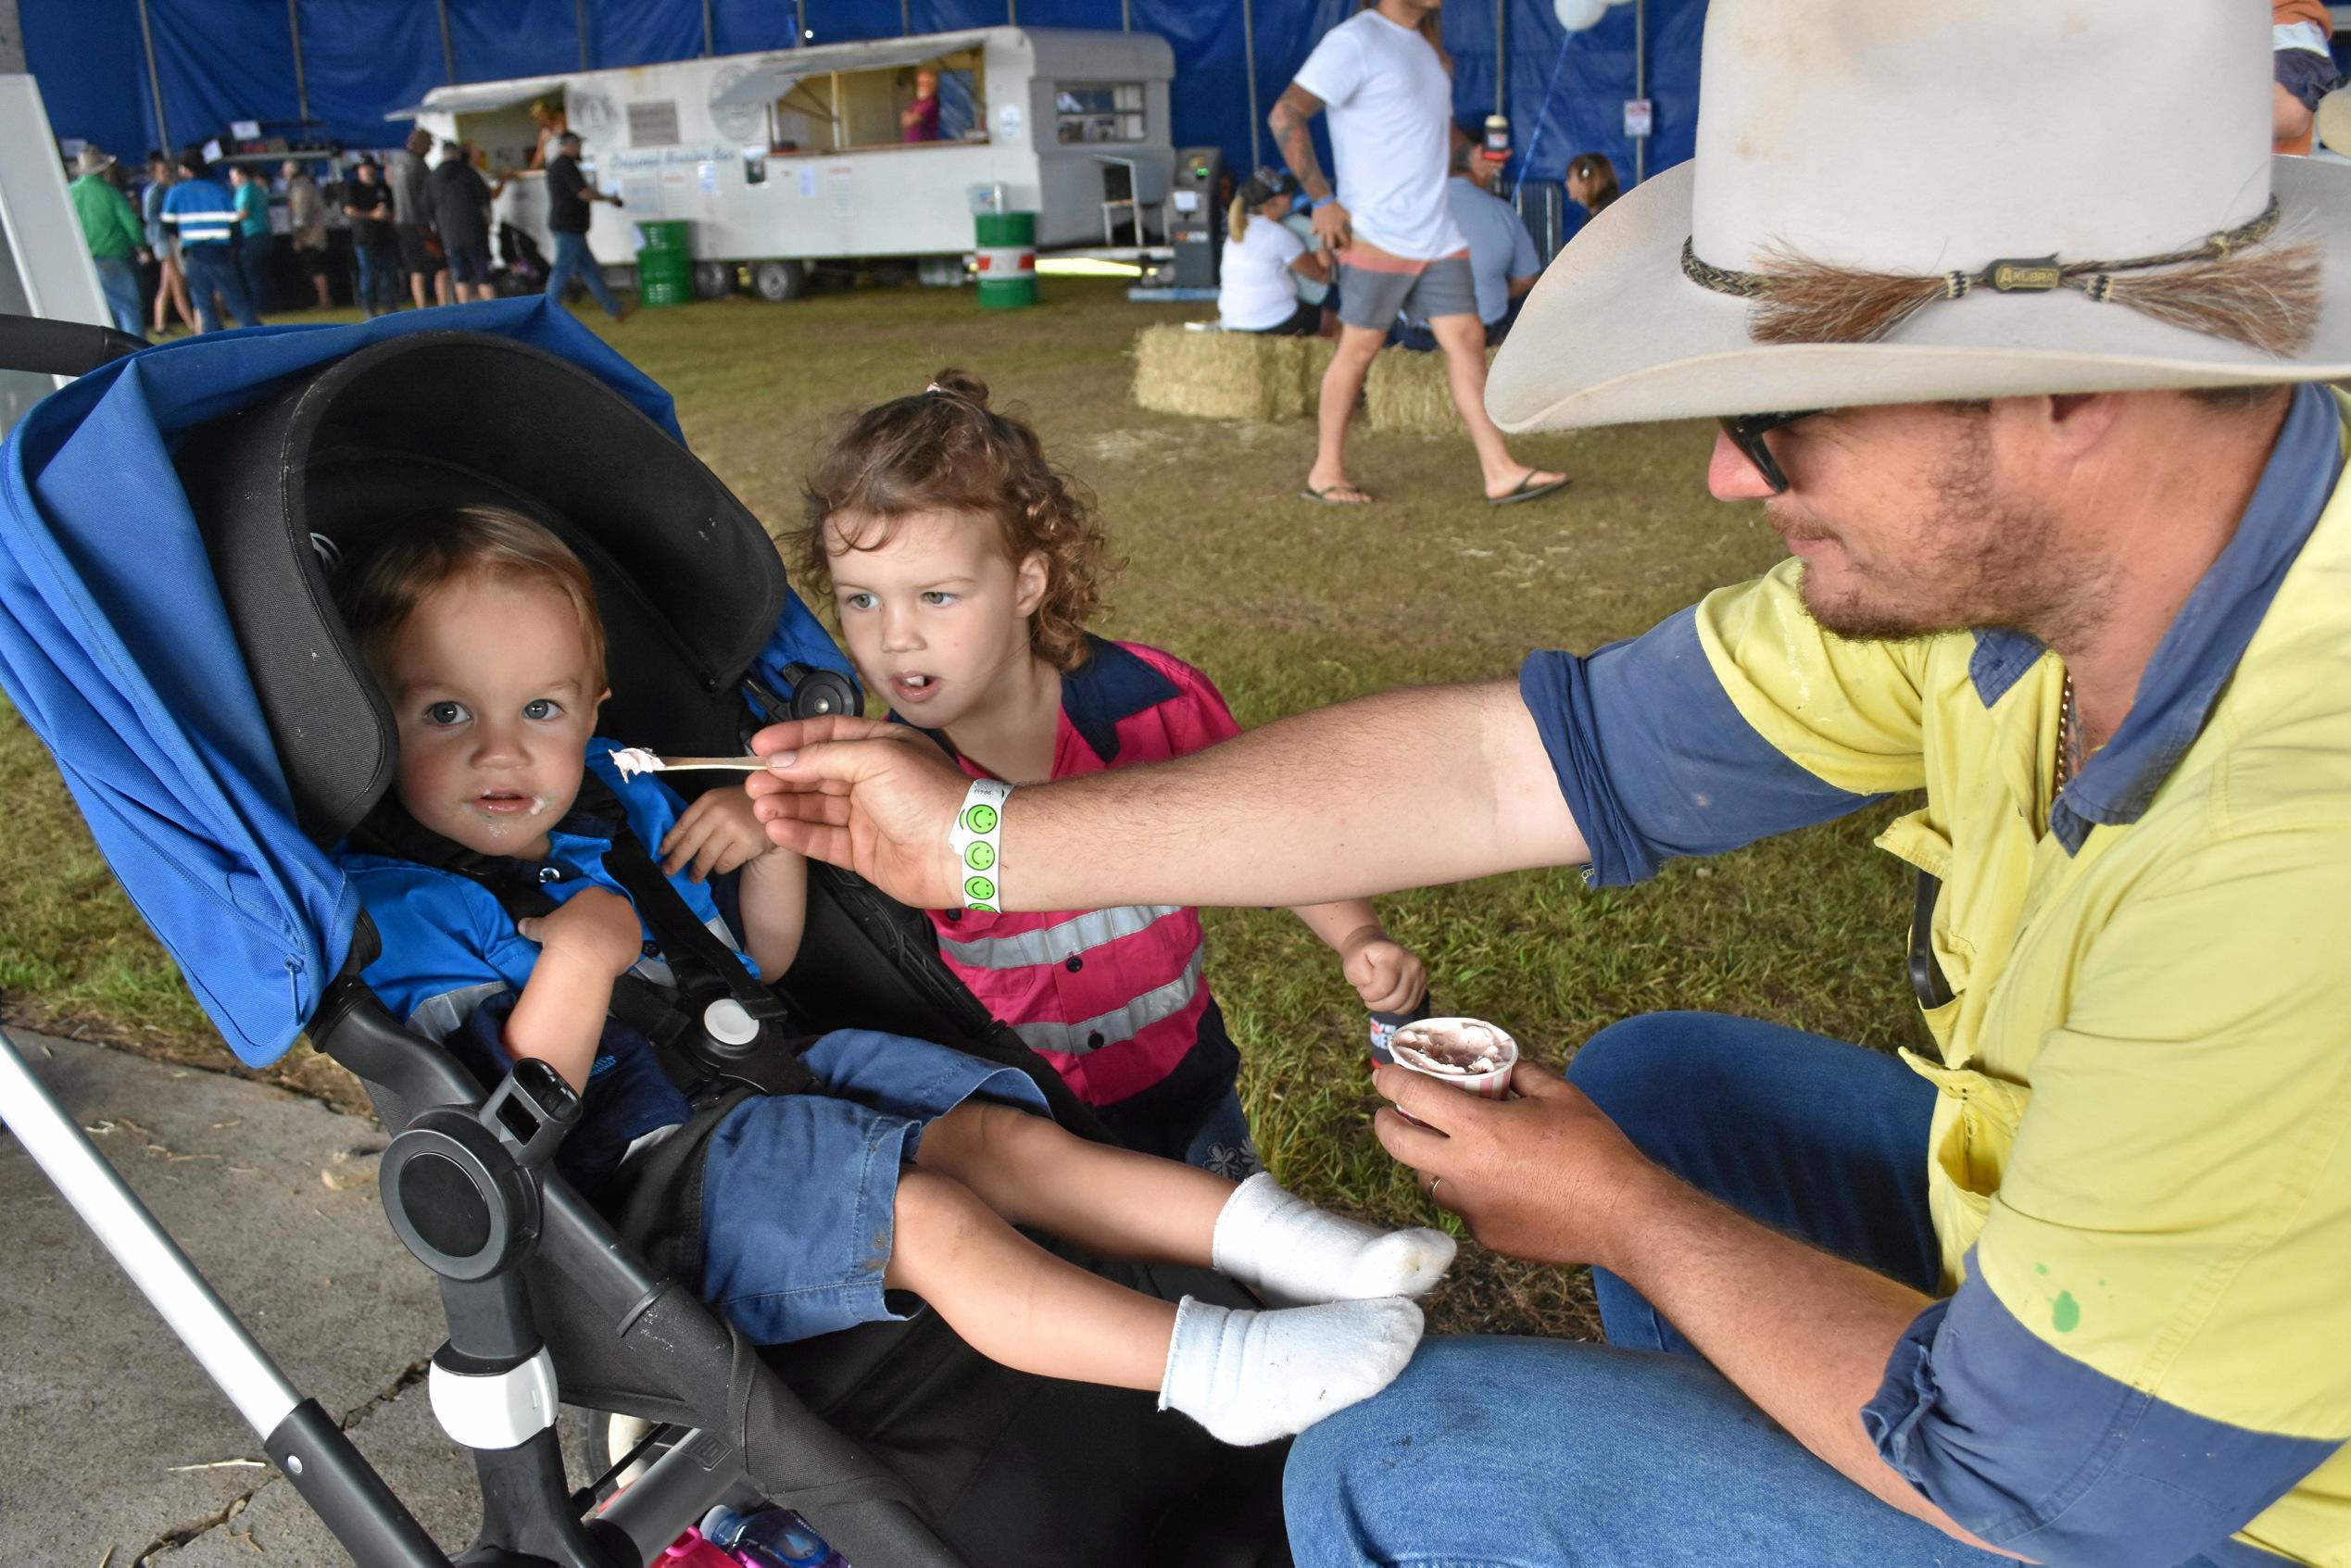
[{"x": 2139, "y": 1158}]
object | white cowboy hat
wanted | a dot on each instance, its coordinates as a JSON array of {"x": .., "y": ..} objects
[{"x": 1924, "y": 140}]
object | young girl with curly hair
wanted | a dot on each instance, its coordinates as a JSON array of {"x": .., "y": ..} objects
[{"x": 964, "y": 568}]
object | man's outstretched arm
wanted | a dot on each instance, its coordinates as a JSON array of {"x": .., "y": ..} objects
[{"x": 1404, "y": 789}]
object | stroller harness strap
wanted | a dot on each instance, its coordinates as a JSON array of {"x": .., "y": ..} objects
[{"x": 709, "y": 973}]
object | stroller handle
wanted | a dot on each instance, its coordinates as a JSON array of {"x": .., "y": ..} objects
[{"x": 60, "y": 349}]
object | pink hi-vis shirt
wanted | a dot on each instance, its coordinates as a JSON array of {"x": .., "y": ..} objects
[{"x": 1113, "y": 998}]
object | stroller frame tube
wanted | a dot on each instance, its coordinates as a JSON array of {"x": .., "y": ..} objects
[
  {"x": 336, "y": 1481},
  {"x": 190, "y": 1307}
]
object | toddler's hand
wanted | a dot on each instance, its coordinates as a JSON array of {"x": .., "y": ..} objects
[
  {"x": 1387, "y": 974},
  {"x": 596, "y": 926},
  {"x": 717, "y": 833}
]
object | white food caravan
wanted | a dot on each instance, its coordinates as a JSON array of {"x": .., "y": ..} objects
[{"x": 795, "y": 156}]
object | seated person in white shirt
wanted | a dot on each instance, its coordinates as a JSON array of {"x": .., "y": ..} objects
[
  {"x": 1263, "y": 262},
  {"x": 1501, "y": 253}
]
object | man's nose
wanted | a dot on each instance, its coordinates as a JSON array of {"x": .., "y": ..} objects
[{"x": 1732, "y": 476}]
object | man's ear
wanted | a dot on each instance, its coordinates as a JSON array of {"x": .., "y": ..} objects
[
  {"x": 1030, "y": 580},
  {"x": 2074, "y": 421}
]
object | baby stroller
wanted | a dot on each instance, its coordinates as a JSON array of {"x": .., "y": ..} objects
[{"x": 214, "y": 722}]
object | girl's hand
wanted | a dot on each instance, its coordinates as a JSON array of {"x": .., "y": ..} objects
[
  {"x": 594, "y": 927},
  {"x": 717, "y": 833},
  {"x": 1387, "y": 974}
]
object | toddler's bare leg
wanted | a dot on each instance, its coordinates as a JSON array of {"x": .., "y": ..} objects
[
  {"x": 1248, "y": 1376},
  {"x": 1012, "y": 1300},
  {"x": 1113, "y": 1202}
]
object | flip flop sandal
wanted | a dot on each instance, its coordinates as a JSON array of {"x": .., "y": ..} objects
[
  {"x": 1526, "y": 490},
  {"x": 1329, "y": 495}
]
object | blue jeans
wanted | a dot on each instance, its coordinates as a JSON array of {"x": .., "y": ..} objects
[
  {"x": 118, "y": 281},
  {"x": 253, "y": 262},
  {"x": 378, "y": 290},
  {"x": 1639, "y": 1454},
  {"x": 213, "y": 270},
  {"x": 572, "y": 256}
]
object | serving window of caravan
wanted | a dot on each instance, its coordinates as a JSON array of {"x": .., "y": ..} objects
[
  {"x": 1098, "y": 111},
  {"x": 850, "y": 110}
]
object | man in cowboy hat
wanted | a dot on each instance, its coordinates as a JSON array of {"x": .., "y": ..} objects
[
  {"x": 118, "y": 244},
  {"x": 2015, "y": 325}
]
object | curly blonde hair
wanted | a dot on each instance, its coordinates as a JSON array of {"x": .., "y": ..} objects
[{"x": 944, "y": 449}]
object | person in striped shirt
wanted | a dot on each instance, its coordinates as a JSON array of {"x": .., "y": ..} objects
[
  {"x": 964, "y": 567},
  {"x": 200, "y": 210}
]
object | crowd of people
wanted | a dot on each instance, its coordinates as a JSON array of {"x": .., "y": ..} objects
[{"x": 204, "y": 245}]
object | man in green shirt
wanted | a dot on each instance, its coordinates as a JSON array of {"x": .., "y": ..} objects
[
  {"x": 112, "y": 230},
  {"x": 253, "y": 231}
]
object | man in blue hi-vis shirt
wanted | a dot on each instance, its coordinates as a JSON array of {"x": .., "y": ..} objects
[{"x": 200, "y": 209}]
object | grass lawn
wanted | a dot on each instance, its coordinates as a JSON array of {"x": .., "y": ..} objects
[{"x": 1288, "y": 606}]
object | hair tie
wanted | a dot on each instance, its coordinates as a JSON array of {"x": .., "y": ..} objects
[{"x": 933, "y": 387}]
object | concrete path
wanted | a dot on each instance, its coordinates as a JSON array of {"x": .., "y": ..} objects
[{"x": 114, "y": 1439}]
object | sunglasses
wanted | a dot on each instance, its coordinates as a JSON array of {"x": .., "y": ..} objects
[{"x": 1747, "y": 432}]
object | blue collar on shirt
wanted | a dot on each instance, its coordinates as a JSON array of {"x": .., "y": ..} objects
[
  {"x": 1112, "y": 685},
  {"x": 2200, "y": 650}
]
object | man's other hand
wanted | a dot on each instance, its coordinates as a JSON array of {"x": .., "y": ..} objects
[
  {"x": 1540, "y": 1177},
  {"x": 879, "y": 799},
  {"x": 1333, "y": 226}
]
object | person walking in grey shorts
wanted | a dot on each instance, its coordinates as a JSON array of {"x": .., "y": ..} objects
[{"x": 1388, "y": 89}]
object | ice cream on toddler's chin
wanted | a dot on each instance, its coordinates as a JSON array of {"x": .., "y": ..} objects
[{"x": 1468, "y": 1053}]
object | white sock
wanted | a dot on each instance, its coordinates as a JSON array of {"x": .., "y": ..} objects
[
  {"x": 1291, "y": 1253},
  {"x": 1251, "y": 1377}
]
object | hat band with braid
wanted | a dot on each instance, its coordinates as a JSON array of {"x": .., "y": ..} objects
[{"x": 2268, "y": 299}]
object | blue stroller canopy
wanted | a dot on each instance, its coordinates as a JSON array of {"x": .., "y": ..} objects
[{"x": 115, "y": 646}]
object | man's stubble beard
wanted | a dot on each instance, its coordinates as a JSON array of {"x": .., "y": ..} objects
[{"x": 1982, "y": 560}]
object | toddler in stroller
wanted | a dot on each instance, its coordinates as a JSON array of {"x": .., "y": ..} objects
[
  {"x": 481, "y": 628},
  {"x": 221, "y": 733}
]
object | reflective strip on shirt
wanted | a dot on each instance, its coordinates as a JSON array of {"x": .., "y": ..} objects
[
  {"x": 204, "y": 228},
  {"x": 1051, "y": 944},
  {"x": 1118, "y": 1024}
]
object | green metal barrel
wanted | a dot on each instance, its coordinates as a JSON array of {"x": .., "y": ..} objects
[
  {"x": 664, "y": 262},
  {"x": 1007, "y": 255}
]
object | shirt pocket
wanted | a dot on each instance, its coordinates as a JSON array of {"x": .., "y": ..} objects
[{"x": 1975, "y": 1127}]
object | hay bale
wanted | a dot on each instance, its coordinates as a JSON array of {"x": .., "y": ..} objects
[
  {"x": 1219, "y": 375},
  {"x": 1407, "y": 395}
]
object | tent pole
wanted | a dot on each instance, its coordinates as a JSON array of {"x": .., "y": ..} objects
[
  {"x": 154, "y": 85},
  {"x": 1126, "y": 16},
  {"x": 906, "y": 19},
  {"x": 448, "y": 50},
  {"x": 579, "y": 11},
  {"x": 1248, "y": 63},
  {"x": 301, "y": 84},
  {"x": 800, "y": 23},
  {"x": 1502, "y": 31},
  {"x": 707, "y": 48},
  {"x": 1641, "y": 84}
]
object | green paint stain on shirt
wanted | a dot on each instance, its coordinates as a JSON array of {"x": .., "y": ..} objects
[
  {"x": 2041, "y": 1267},
  {"x": 2066, "y": 1316}
]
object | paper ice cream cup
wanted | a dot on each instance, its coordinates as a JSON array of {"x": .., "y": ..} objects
[{"x": 1468, "y": 1053}]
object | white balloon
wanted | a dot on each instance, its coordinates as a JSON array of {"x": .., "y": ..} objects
[{"x": 1577, "y": 15}]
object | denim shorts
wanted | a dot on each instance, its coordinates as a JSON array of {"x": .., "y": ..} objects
[
  {"x": 468, "y": 264},
  {"x": 799, "y": 1192}
]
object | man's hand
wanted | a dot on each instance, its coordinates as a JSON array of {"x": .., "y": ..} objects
[
  {"x": 1387, "y": 974},
  {"x": 1333, "y": 227},
  {"x": 1542, "y": 1177},
  {"x": 877, "y": 798},
  {"x": 595, "y": 928},
  {"x": 715, "y": 835}
]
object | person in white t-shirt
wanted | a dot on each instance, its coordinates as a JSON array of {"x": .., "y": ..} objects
[
  {"x": 1384, "y": 77},
  {"x": 1262, "y": 262}
]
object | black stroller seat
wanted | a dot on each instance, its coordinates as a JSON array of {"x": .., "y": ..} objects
[{"x": 903, "y": 1446}]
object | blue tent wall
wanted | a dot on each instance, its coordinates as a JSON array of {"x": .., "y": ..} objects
[{"x": 219, "y": 61}]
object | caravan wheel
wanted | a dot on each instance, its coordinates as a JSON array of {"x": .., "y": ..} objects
[
  {"x": 779, "y": 280},
  {"x": 713, "y": 280}
]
